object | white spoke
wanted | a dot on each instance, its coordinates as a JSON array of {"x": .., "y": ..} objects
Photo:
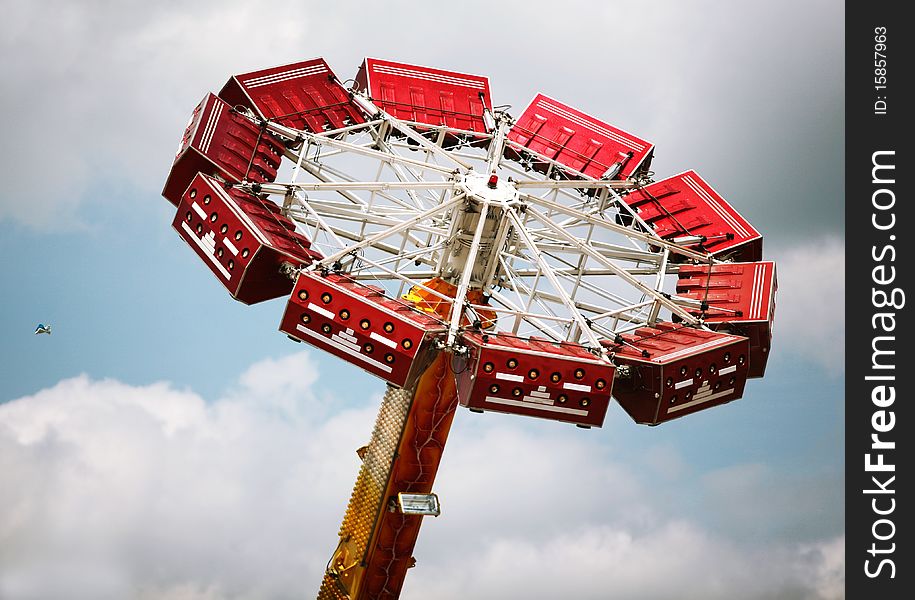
[
  {"x": 548, "y": 272},
  {"x": 559, "y": 253}
]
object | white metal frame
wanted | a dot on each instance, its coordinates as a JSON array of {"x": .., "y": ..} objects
[{"x": 556, "y": 256}]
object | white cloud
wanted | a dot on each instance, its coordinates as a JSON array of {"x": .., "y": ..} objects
[
  {"x": 827, "y": 567},
  {"x": 101, "y": 91},
  {"x": 115, "y": 491},
  {"x": 810, "y": 314},
  {"x": 672, "y": 560}
]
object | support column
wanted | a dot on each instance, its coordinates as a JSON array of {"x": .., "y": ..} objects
[{"x": 376, "y": 542}]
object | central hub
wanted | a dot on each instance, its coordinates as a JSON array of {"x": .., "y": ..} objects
[
  {"x": 484, "y": 195},
  {"x": 478, "y": 186}
]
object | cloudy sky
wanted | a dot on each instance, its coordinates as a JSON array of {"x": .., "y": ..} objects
[{"x": 167, "y": 442}]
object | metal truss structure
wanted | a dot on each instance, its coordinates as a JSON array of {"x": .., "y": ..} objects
[{"x": 408, "y": 219}]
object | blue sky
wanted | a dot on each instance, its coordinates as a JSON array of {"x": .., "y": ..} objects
[{"x": 168, "y": 442}]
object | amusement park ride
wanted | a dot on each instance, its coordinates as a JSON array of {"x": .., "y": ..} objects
[{"x": 528, "y": 265}]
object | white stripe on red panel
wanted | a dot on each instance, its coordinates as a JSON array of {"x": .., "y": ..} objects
[
  {"x": 756, "y": 296},
  {"x": 320, "y": 310},
  {"x": 342, "y": 339},
  {"x": 693, "y": 349},
  {"x": 383, "y": 340},
  {"x": 210, "y": 127},
  {"x": 683, "y": 384},
  {"x": 207, "y": 250},
  {"x": 284, "y": 76},
  {"x": 577, "y": 387},
  {"x": 537, "y": 399},
  {"x": 342, "y": 348},
  {"x": 703, "y": 400},
  {"x": 714, "y": 205},
  {"x": 228, "y": 244},
  {"x": 531, "y": 405},
  {"x": 557, "y": 110},
  {"x": 435, "y": 77},
  {"x": 199, "y": 210}
]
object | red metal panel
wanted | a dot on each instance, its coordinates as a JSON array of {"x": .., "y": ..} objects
[
  {"x": 359, "y": 324},
  {"x": 426, "y": 95},
  {"x": 741, "y": 299},
  {"x": 560, "y": 382},
  {"x": 304, "y": 95},
  {"x": 242, "y": 239},
  {"x": 218, "y": 141},
  {"x": 579, "y": 141},
  {"x": 677, "y": 370},
  {"x": 685, "y": 205}
]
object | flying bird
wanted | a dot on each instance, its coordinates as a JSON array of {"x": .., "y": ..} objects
[{"x": 42, "y": 328}]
